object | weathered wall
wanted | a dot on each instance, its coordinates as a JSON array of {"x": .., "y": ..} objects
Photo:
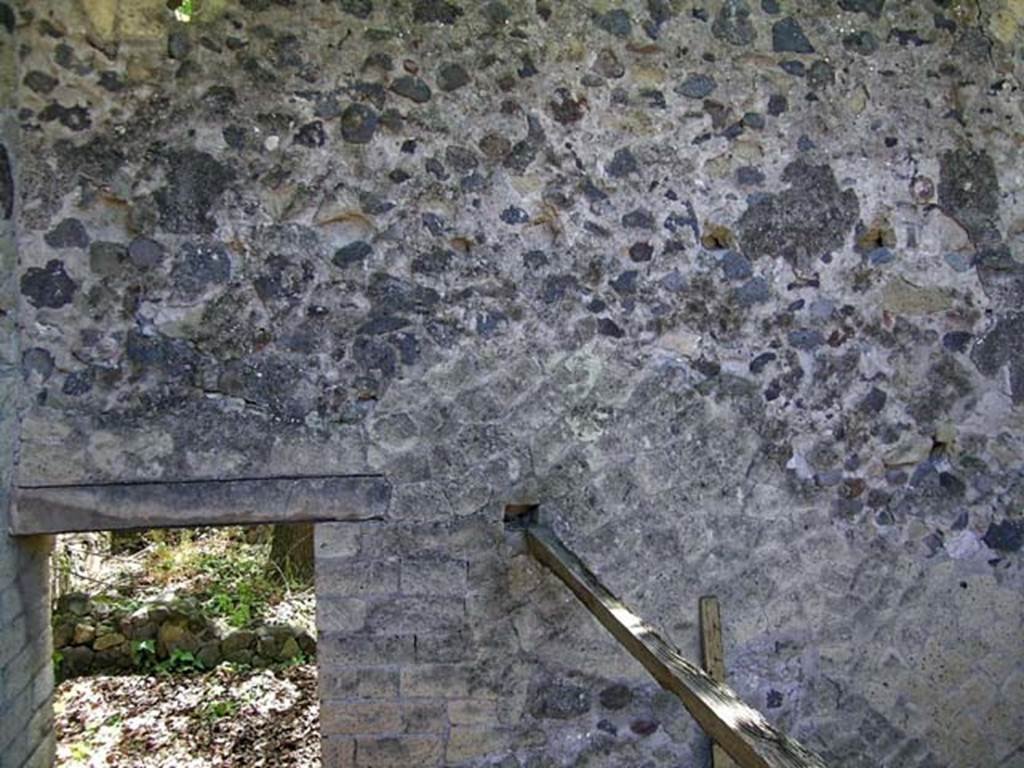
[
  {"x": 734, "y": 288},
  {"x": 26, "y": 672}
]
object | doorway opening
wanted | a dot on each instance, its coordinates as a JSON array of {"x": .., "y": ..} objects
[{"x": 185, "y": 646}]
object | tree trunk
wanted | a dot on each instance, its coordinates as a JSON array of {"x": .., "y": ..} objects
[{"x": 291, "y": 552}]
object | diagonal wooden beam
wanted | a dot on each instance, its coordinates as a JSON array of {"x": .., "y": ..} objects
[
  {"x": 171, "y": 504},
  {"x": 741, "y": 730}
]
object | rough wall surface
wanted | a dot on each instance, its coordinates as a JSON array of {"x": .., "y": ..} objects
[
  {"x": 734, "y": 288},
  {"x": 26, "y": 671}
]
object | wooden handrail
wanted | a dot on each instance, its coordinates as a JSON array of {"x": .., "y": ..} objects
[{"x": 739, "y": 729}]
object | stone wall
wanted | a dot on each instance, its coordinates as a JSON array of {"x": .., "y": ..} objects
[
  {"x": 94, "y": 635},
  {"x": 733, "y": 288},
  {"x": 26, "y": 674}
]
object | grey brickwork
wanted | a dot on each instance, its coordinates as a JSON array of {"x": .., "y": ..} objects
[
  {"x": 26, "y": 669},
  {"x": 733, "y": 288}
]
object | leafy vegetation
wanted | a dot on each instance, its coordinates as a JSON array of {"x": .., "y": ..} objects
[
  {"x": 227, "y": 571},
  {"x": 185, "y": 10},
  {"x": 230, "y": 582}
]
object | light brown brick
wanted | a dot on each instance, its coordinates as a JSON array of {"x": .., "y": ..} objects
[
  {"x": 355, "y": 717},
  {"x": 355, "y": 578},
  {"x": 415, "y": 615},
  {"x": 348, "y": 649},
  {"x": 359, "y": 682},
  {"x": 473, "y": 743},
  {"x": 424, "y": 717},
  {"x": 462, "y": 712},
  {"x": 399, "y": 752},
  {"x": 434, "y": 576},
  {"x": 338, "y": 753},
  {"x": 341, "y": 615},
  {"x": 442, "y": 681}
]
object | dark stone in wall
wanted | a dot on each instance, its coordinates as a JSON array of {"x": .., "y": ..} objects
[
  {"x": 736, "y": 266},
  {"x": 622, "y": 164},
  {"x": 412, "y": 88},
  {"x": 439, "y": 11},
  {"x": 358, "y": 124},
  {"x": 451, "y": 77},
  {"x": 806, "y": 339},
  {"x": 617, "y": 696},
  {"x": 696, "y": 86},
  {"x": 107, "y": 259},
  {"x": 821, "y": 74},
  {"x": 40, "y": 82},
  {"x": 6, "y": 184},
  {"x": 361, "y": 9},
  {"x": 732, "y": 23},
  {"x": 803, "y": 223},
  {"x": 178, "y": 44},
  {"x": 79, "y": 383},
  {"x": 788, "y": 37},
  {"x": 155, "y": 351},
  {"x": 195, "y": 182},
  {"x": 311, "y": 135},
  {"x": 615, "y": 22},
  {"x": 146, "y": 253},
  {"x": 1004, "y": 345},
  {"x": 969, "y": 192},
  {"x": 37, "y": 360},
  {"x": 74, "y": 118},
  {"x": 1001, "y": 276},
  {"x": 198, "y": 265},
  {"x": 872, "y": 8},
  {"x": 558, "y": 700},
  {"x": 69, "y": 233},
  {"x": 354, "y": 253},
  {"x": 1006, "y": 536},
  {"x": 863, "y": 42},
  {"x": 50, "y": 287},
  {"x": 754, "y": 291}
]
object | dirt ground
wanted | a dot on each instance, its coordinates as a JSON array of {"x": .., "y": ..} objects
[{"x": 221, "y": 718}]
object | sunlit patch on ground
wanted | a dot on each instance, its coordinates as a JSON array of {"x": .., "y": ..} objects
[{"x": 223, "y": 718}]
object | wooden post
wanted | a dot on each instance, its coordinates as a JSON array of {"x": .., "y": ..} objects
[
  {"x": 741, "y": 730},
  {"x": 712, "y": 655}
]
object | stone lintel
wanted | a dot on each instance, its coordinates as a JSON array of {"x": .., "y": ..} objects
[{"x": 171, "y": 504}]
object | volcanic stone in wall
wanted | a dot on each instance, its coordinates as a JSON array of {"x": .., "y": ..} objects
[
  {"x": 803, "y": 224},
  {"x": 195, "y": 182},
  {"x": 969, "y": 192},
  {"x": 1004, "y": 346}
]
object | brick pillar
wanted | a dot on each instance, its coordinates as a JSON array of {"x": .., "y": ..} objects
[
  {"x": 26, "y": 670},
  {"x": 407, "y": 666}
]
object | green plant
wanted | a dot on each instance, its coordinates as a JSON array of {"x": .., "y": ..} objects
[
  {"x": 58, "y": 659},
  {"x": 180, "y": 661},
  {"x": 185, "y": 10},
  {"x": 143, "y": 653},
  {"x": 215, "y": 710},
  {"x": 238, "y": 588},
  {"x": 294, "y": 661},
  {"x": 224, "y": 570},
  {"x": 81, "y": 751}
]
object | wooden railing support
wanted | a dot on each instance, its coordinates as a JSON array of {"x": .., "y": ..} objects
[
  {"x": 712, "y": 658},
  {"x": 742, "y": 731}
]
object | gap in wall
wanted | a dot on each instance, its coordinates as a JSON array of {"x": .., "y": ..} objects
[{"x": 188, "y": 646}]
